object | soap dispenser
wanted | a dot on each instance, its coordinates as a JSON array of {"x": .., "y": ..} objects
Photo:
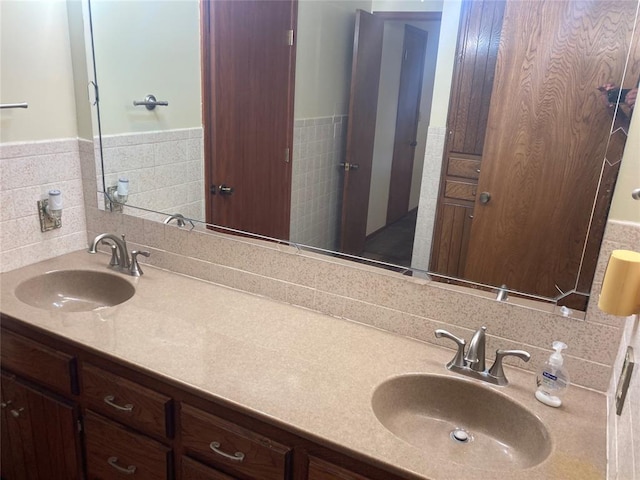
[{"x": 553, "y": 378}]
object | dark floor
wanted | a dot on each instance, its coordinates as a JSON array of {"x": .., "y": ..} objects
[{"x": 394, "y": 243}]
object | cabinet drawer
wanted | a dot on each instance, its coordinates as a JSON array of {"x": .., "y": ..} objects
[
  {"x": 114, "y": 452},
  {"x": 460, "y": 190},
  {"x": 37, "y": 362},
  {"x": 321, "y": 470},
  {"x": 230, "y": 447},
  {"x": 466, "y": 167},
  {"x": 192, "y": 470},
  {"x": 128, "y": 402}
]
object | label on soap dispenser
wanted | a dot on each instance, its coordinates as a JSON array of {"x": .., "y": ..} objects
[{"x": 549, "y": 376}]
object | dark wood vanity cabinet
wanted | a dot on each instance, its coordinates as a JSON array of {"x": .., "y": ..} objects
[
  {"x": 77, "y": 414},
  {"x": 40, "y": 426}
]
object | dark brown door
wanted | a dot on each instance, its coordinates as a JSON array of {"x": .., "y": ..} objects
[
  {"x": 363, "y": 103},
  {"x": 546, "y": 141},
  {"x": 405, "y": 141},
  {"x": 248, "y": 70}
]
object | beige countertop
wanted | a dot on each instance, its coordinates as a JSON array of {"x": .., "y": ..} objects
[{"x": 307, "y": 371}]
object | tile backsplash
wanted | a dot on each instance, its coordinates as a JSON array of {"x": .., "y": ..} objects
[
  {"x": 165, "y": 170},
  {"x": 404, "y": 305},
  {"x": 28, "y": 170}
]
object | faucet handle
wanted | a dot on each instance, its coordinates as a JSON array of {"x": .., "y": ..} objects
[
  {"x": 115, "y": 261},
  {"x": 135, "y": 269},
  {"x": 496, "y": 369},
  {"x": 458, "y": 360}
]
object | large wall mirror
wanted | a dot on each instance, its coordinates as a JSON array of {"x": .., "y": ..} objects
[{"x": 466, "y": 139}]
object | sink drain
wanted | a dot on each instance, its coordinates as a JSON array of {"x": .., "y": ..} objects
[{"x": 460, "y": 435}]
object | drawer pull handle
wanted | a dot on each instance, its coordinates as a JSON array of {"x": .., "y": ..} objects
[
  {"x": 236, "y": 457},
  {"x": 113, "y": 461},
  {"x": 109, "y": 400}
]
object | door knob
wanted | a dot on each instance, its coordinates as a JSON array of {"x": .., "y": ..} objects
[
  {"x": 413, "y": 144},
  {"x": 349, "y": 166},
  {"x": 485, "y": 197},
  {"x": 224, "y": 190}
]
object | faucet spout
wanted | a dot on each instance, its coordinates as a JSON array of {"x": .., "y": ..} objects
[
  {"x": 120, "y": 244},
  {"x": 475, "y": 357}
]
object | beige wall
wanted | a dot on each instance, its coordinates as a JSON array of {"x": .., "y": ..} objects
[
  {"x": 324, "y": 46},
  {"x": 36, "y": 68},
  {"x": 131, "y": 67},
  {"x": 623, "y": 206}
]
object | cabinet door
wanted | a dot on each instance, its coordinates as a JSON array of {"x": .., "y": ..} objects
[
  {"x": 232, "y": 448},
  {"x": 40, "y": 438},
  {"x": 114, "y": 452},
  {"x": 321, "y": 470},
  {"x": 192, "y": 470}
]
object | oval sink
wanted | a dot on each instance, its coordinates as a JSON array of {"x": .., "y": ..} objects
[
  {"x": 74, "y": 290},
  {"x": 462, "y": 422}
]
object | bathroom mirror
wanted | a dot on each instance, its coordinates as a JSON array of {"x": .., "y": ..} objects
[{"x": 145, "y": 48}]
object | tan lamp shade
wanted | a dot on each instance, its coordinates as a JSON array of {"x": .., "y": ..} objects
[{"x": 620, "y": 294}]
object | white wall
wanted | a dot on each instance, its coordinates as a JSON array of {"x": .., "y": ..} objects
[{"x": 130, "y": 66}]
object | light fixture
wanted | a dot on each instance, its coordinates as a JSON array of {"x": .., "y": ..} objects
[
  {"x": 620, "y": 295},
  {"x": 50, "y": 211},
  {"x": 118, "y": 195}
]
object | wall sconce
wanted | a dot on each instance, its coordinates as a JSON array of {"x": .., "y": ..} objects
[
  {"x": 118, "y": 195},
  {"x": 50, "y": 211},
  {"x": 620, "y": 295}
]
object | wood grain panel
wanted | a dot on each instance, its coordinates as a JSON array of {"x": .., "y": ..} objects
[
  {"x": 545, "y": 146},
  {"x": 105, "y": 439},
  {"x": 37, "y": 362},
  {"x": 321, "y": 470},
  {"x": 263, "y": 458},
  {"x": 477, "y": 50},
  {"x": 452, "y": 240},
  {"x": 40, "y": 436},
  {"x": 460, "y": 190},
  {"x": 149, "y": 410},
  {"x": 464, "y": 166},
  {"x": 192, "y": 470},
  {"x": 248, "y": 82}
]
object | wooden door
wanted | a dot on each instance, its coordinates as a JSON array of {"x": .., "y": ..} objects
[
  {"x": 40, "y": 438},
  {"x": 363, "y": 103},
  {"x": 248, "y": 79},
  {"x": 545, "y": 143},
  {"x": 405, "y": 141}
]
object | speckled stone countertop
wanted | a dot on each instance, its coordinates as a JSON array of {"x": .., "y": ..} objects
[{"x": 311, "y": 373}]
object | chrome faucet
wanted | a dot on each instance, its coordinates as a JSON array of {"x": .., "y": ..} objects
[
  {"x": 473, "y": 363},
  {"x": 120, "y": 259},
  {"x": 180, "y": 219}
]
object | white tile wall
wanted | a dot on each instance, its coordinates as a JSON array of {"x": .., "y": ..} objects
[
  {"x": 624, "y": 431},
  {"x": 316, "y": 185},
  {"x": 165, "y": 170},
  {"x": 428, "y": 197},
  {"x": 28, "y": 170}
]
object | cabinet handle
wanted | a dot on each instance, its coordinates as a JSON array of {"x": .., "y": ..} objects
[
  {"x": 236, "y": 457},
  {"x": 5, "y": 404},
  {"x": 113, "y": 461},
  {"x": 109, "y": 400},
  {"x": 16, "y": 412}
]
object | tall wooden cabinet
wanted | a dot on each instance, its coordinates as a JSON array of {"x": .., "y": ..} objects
[
  {"x": 527, "y": 140},
  {"x": 476, "y": 56}
]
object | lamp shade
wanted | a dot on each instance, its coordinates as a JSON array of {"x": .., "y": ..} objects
[{"x": 620, "y": 294}]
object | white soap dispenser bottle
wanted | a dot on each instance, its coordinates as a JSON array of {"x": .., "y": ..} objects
[{"x": 553, "y": 378}]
